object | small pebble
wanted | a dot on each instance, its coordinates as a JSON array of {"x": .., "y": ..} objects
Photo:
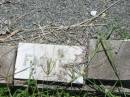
[{"x": 93, "y": 13}]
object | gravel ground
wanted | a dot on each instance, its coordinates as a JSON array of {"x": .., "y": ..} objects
[{"x": 33, "y": 14}]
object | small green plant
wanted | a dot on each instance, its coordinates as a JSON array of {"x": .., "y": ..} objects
[{"x": 50, "y": 66}]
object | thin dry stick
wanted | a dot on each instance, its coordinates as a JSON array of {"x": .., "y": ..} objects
[
  {"x": 75, "y": 25},
  {"x": 61, "y": 27},
  {"x": 42, "y": 28},
  {"x": 12, "y": 34}
]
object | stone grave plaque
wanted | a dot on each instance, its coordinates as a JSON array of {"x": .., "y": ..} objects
[
  {"x": 111, "y": 63},
  {"x": 50, "y": 62},
  {"x": 7, "y": 62}
]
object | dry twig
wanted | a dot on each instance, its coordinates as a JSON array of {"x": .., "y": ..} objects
[{"x": 12, "y": 34}]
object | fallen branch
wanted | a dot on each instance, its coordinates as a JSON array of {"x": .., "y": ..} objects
[{"x": 12, "y": 34}]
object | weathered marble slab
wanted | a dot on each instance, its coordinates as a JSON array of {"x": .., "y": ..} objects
[
  {"x": 115, "y": 64},
  {"x": 7, "y": 62},
  {"x": 50, "y": 62}
]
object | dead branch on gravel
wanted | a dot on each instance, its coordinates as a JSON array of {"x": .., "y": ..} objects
[
  {"x": 83, "y": 24},
  {"x": 12, "y": 34}
]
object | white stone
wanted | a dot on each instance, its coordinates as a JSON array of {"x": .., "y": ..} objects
[
  {"x": 49, "y": 62},
  {"x": 93, "y": 13}
]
